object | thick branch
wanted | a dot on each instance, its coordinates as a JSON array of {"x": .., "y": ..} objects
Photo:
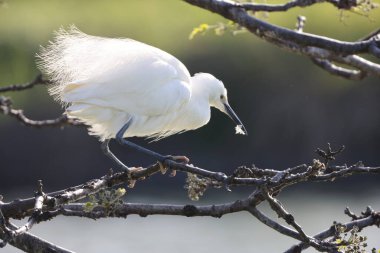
[
  {"x": 277, "y": 7},
  {"x": 295, "y": 3},
  {"x": 236, "y": 13},
  {"x": 22, "y": 208},
  {"x": 314, "y": 46},
  {"x": 143, "y": 210}
]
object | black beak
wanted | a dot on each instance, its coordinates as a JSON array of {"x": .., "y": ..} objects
[{"x": 235, "y": 118}]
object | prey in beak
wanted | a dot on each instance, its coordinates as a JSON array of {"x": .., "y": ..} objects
[{"x": 240, "y": 129}]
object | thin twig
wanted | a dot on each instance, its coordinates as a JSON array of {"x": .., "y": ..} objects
[
  {"x": 63, "y": 120},
  {"x": 282, "y": 213},
  {"x": 346, "y": 73},
  {"x": 34, "y": 218},
  {"x": 31, "y": 243},
  {"x": 18, "y": 87},
  {"x": 374, "y": 219}
]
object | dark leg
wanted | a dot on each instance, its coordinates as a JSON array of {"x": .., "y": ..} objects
[
  {"x": 106, "y": 150},
  {"x": 119, "y": 137},
  {"x": 124, "y": 142}
]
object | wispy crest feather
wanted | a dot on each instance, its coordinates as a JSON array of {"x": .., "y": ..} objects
[{"x": 73, "y": 57}]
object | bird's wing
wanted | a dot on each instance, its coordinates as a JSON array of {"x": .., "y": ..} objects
[{"x": 122, "y": 74}]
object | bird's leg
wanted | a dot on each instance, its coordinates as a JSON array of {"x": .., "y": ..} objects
[
  {"x": 106, "y": 150},
  {"x": 182, "y": 159},
  {"x": 160, "y": 158},
  {"x": 124, "y": 142}
]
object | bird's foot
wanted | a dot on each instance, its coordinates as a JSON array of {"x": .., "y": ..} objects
[
  {"x": 164, "y": 168},
  {"x": 130, "y": 170}
]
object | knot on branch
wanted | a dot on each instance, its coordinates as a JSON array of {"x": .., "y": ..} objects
[
  {"x": 289, "y": 219},
  {"x": 190, "y": 210}
]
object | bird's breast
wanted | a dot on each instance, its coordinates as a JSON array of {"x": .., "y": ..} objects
[
  {"x": 192, "y": 116},
  {"x": 188, "y": 118}
]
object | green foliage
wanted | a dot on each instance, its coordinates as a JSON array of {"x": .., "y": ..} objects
[
  {"x": 364, "y": 7},
  {"x": 350, "y": 242},
  {"x": 219, "y": 29},
  {"x": 108, "y": 199},
  {"x": 196, "y": 186}
]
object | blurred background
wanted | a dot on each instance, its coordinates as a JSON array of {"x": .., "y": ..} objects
[{"x": 289, "y": 106}]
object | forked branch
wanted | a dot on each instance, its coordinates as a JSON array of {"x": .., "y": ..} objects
[{"x": 323, "y": 51}]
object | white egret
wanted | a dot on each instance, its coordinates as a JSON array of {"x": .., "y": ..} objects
[{"x": 122, "y": 88}]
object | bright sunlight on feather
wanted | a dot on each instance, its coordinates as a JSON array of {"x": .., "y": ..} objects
[{"x": 114, "y": 84}]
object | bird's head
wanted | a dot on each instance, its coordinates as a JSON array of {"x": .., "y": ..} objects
[{"x": 217, "y": 96}]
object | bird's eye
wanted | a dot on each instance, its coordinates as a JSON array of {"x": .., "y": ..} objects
[{"x": 221, "y": 96}]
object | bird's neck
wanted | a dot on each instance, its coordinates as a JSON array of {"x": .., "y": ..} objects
[
  {"x": 199, "y": 91},
  {"x": 196, "y": 112}
]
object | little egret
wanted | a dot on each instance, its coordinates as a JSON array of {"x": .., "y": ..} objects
[{"x": 123, "y": 88}]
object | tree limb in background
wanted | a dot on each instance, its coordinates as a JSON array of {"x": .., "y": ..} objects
[
  {"x": 6, "y": 107},
  {"x": 323, "y": 51},
  {"x": 18, "y": 87}
]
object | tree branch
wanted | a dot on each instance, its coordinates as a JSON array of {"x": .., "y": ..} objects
[
  {"x": 18, "y": 87},
  {"x": 61, "y": 203},
  {"x": 37, "y": 211},
  {"x": 6, "y": 109},
  {"x": 282, "y": 213},
  {"x": 373, "y": 219},
  {"x": 143, "y": 210},
  {"x": 314, "y": 46},
  {"x": 31, "y": 243},
  {"x": 323, "y": 51},
  {"x": 22, "y": 240},
  {"x": 346, "y": 73},
  {"x": 295, "y": 3}
]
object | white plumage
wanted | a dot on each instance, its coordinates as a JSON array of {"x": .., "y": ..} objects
[{"x": 104, "y": 82}]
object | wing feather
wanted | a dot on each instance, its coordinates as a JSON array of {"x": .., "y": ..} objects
[{"x": 121, "y": 74}]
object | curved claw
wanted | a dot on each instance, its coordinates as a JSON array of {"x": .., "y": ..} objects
[
  {"x": 130, "y": 170},
  {"x": 176, "y": 158},
  {"x": 163, "y": 169}
]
